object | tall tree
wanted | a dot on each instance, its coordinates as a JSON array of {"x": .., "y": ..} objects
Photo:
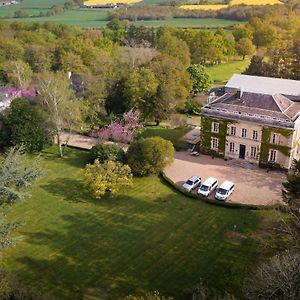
[
  {"x": 58, "y": 100},
  {"x": 170, "y": 45},
  {"x": 17, "y": 173},
  {"x": 245, "y": 47},
  {"x": 24, "y": 124},
  {"x": 200, "y": 78},
  {"x": 18, "y": 73}
]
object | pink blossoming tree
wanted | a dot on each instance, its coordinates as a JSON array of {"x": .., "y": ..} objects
[{"x": 123, "y": 132}]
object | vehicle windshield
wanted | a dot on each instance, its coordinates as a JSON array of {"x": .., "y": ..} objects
[
  {"x": 204, "y": 188},
  {"x": 189, "y": 182},
  {"x": 222, "y": 191}
]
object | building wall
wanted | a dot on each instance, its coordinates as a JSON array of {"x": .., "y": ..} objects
[
  {"x": 262, "y": 141},
  {"x": 295, "y": 151}
]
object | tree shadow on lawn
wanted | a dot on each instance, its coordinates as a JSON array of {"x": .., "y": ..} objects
[
  {"x": 131, "y": 247},
  {"x": 69, "y": 189},
  {"x": 74, "y": 157},
  {"x": 88, "y": 253}
]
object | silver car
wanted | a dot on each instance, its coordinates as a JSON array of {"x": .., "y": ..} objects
[{"x": 191, "y": 183}]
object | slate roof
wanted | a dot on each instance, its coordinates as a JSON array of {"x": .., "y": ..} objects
[
  {"x": 265, "y": 85},
  {"x": 273, "y": 110}
]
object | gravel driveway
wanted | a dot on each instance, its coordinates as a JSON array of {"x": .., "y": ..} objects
[{"x": 252, "y": 184}]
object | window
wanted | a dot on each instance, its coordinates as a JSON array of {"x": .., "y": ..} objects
[
  {"x": 231, "y": 147},
  {"x": 215, "y": 127},
  {"x": 274, "y": 138},
  {"x": 244, "y": 132},
  {"x": 214, "y": 143},
  {"x": 272, "y": 156},
  {"x": 232, "y": 130},
  {"x": 253, "y": 152},
  {"x": 255, "y": 135}
]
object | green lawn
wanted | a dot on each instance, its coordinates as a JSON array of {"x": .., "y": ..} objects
[
  {"x": 148, "y": 238},
  {"x": 220, "y": 74},
  {"x": 170, "y": 134}
]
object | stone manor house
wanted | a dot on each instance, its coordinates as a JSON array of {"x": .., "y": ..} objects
[{"x": 257, "y": 119}]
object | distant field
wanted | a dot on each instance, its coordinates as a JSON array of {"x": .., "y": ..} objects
[
  {"x": 98, "y": 19},
  {"x": 95, "y": 2},
  {"x": 33, "y": 7},
  {"x": 220, "y": 74},
  {"x": 233, "y": 2}
]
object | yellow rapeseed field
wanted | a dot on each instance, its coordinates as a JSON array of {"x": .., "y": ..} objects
[
  {"x": 233, "y": 2},
  {"x": 204, "y": 7},
  {"x": 99, "y": 2}
]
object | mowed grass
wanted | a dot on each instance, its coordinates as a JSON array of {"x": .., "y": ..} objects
[
  {"x": 221, "y": 73},
  {"x": 170, "y": 134},
  {"x": 148, "y": 238}
]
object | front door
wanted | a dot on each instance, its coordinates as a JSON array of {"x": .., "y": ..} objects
[{"x": 242, "y": 151}]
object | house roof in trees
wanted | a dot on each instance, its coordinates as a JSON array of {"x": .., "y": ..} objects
[
  {"x": 265, "y": 85},
  {"x": 272, "y": 110}
]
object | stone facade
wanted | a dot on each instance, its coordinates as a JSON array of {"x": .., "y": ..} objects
[{"x": 256, "y": 127}]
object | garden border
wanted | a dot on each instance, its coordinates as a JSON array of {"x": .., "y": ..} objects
[{"x": 215, "y": 202}]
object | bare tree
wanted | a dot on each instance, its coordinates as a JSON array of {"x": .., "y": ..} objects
[
  {"x": 58, "y": 100},
  {"x": 276, "y": 279}
]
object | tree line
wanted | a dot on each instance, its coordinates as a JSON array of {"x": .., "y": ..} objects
[{"x": 166, "y": 11}]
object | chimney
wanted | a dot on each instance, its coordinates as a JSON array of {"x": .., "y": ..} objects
[{"x": 239, "y": 93}]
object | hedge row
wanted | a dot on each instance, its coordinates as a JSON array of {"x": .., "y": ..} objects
[{"x": 216, "y": 202}]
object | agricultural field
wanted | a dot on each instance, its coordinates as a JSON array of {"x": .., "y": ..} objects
[
  {"x": 32, "y": 7},
  {"x": 150, "y": 237},
  {"x": 233, "y": 2},
  {"x": 98, "y": 19},
  {"x": 220, "y": 74},
  {"x": 98, "y": 2}
]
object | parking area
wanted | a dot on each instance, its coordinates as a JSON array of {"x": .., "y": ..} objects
[{"x": 252, "y": 184}]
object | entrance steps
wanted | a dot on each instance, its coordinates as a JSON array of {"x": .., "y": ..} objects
[{"x": 241, "y": 163}]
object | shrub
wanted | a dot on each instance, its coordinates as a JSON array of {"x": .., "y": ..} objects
[
  {"x": 150, "y": 155},
  {"x": 178, "y": 121},
  {"x": 104, "y": 152},
  {"x": 107, "y": 178}
]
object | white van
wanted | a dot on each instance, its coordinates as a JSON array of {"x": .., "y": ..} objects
[
  {"x": 208, "y": 186},
  {"x": 225, "y": 190}
]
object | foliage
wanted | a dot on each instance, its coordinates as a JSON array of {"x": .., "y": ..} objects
[
  {"x": 200, "y": 79},
  {"x": 150, "y": 155},
  {"x": 125, "y": 132},
  {"x": 245, "y": 47},
  {"x": 107, "y": 178},
  {"x": 266, "y": 144},
  {"x": 278, "y": 278},
  {"x": 11, "y": 288},
  {"x": 149, "y": 296},
  {"x": 170, "y": 45},
  {"x": 193, "y": 106},
  {"x": 16, "y": 174},
  {"x": 24, "y": 124},
  {"x": 56, "y": 98},
  {"x": 104, "y": 152},
  {"x": 18, "y": 73}
]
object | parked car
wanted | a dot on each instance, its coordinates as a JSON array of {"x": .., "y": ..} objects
[
  {"x": 208, "y": 186},
  {"x": 225, "y": 190},
  {"x": 191, "y": 183}
]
